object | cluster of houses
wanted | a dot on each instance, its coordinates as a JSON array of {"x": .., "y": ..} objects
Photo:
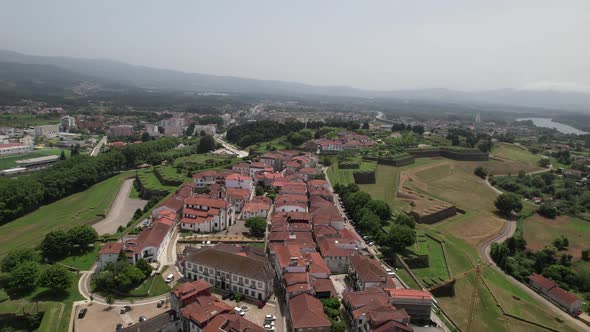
[
  {"x": 307, "y": 242},
  {"x": 193, "y": 308},
  {"x": 346, "y": 140},
  {"x": 551, "y": 290}
]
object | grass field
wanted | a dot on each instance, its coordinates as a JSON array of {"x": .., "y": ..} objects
[
  {"x": 454, "y": 182},
  {"x": 150, "y": 181},
  {"x": 84, "y": 261},
  {"x": 437, "y": 269},
  {"x": 344, "y": 176},
  {"x": 80, "y": 208},
  {"x": 10, "y": 161},
  {"x": 540, "y": 231},
  {"x": 387, "y": 178},
  {"x": 518, "y": 155},
  {"x": 275, "y": 144},
  {"x": 202, "y": 158}
]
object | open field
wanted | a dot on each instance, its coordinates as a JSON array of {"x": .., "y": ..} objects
[
  {"x": 77, "y": 209},
  {"x": 344, "y": 176},
  {"x": 10, "y": 161},
  {"x": 540, "y": 231},
  {"x": 207, "y": 158},
  {"x": 279, "y": 143},
  {"x": 454, "y": 182},
  {"x": 517, "y": 154},
  {"x": 386, "y": 184}
]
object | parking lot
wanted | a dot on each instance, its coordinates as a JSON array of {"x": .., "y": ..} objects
[
  {"x": 256, "y": 315},
  {"x": 104, "y": 318}
]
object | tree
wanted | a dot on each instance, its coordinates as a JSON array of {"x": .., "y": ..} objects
[
  {"x": 138, "y": 213},
  {"x": 586, "y": 254},
  {"x": 365, "y": 125},
  {"x": 405, "y": 220},
  {"x": 544, "y": 162},
  {"x": 296, "y": 138},
  {"x": 24, "y": 275},
  {"x": 56, "y": 244},
  {"x": 380, "y": 208},
  {"x": 144, "y": 266},
  {"x": 500, "y": 253},
  {"x": 508, "y": 202},
  {"x": 237, "y": 297},
  {"x": 17, "y": 256},
  {"x": 547, "y": 211},
  {"x": 256, "y": 226},
  {"x": 259, "y": 190},
  {"x": 206, "y": 144},
  {"x": 62, "y": 155},
  {"x": 110, "y": 300},
  {"x": 561, "y": 243},
  {"x": 481, "y": 172},
  {"x": 145, "y": 136},
  {"x": 368, "y": 221},
  {"x": 56, "y": 278},
  {"x": 399, "y": 238},
  {"x": 82, "y": 236}
]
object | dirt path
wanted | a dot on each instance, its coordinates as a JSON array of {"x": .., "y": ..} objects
[{"x": 121, "y": 211}]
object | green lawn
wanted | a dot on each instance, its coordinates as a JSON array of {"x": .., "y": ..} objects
[
  {"x": 344, "y": 176},
  {"x": 150, "y": 181},
  {"x": 437, "y": 268},
  {"x": 83, "y": 261},
  {"x": 275, "y": 144},
  {"x": 157, "y": 284},
  {"x": 10, "y": 161},
  {"x": 80, "y": 208},
  {"x": 203, "y": 158},
  {"x": 134, "y": 193},
  {"x": 259, "y": 245}
]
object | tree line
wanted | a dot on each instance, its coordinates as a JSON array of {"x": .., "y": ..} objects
[
  {"x": 26, "y": 193},
  {"x": 261, "y": 131},
  {"x": 370, "y": 215}
]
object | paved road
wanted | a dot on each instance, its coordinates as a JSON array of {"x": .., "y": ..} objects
[
  {"x": 231, "y": 148},
  {"x": 96, "y": 149},
  {"x": 121, "y": 211}
]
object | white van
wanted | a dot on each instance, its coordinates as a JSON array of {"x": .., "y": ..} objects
[{"x": 170, "y": 277}]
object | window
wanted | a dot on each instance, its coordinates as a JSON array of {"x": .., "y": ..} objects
[
  {"x": 200, "y": 268},
  {"x": 235, "y": 278},
  {"x": 241, "y": 280},
  {"x": 259, "y": 284},
  {"x": 234, "y": 288}
]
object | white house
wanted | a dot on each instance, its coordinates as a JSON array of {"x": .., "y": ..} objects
[
  {"x": 237, "y": 180},
  {"x": 205, "y": 215}
]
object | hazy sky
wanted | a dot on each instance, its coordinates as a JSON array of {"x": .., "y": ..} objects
[{"x": 466, "y": 44}]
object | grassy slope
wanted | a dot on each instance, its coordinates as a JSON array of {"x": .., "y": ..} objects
[
  {"x": 77, "y": 209},
  {"x": 10, "y": 162},
  {"x": 83, "y": 261},
  {"x": 455, "y": 182},
  {"x": 25, "y": 120}
]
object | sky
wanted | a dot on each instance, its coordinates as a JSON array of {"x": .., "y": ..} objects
[{"x": 383, "y": 45}]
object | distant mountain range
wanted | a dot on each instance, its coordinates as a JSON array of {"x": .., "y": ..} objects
[{"x": 58, "y": 73}]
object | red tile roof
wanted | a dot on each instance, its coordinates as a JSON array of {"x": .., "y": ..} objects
[
  {"x": 542, "y": 281},
  {"x": 253, "y": 206},
  {"x": 307, "y": 312},
  {"x": 237, "y": 193},
  {"x": 111, "y": 248},
  {"x": 409, "y": 294},
  {"x": 563, "y": 295},
  {"x": 189, "y": 289},
  {"x": 210, "y": 202}
]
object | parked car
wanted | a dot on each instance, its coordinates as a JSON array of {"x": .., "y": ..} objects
[
  {"x": 268, "y": 327},
  {"x": 239, "y": 311},
  {"x": 371, "y": 243},
  {"x": 119, "y": 327},
  {"x": 169, "y": 278},
  {"x": 226, "y": 295},
  {"x": 142, "y": 319},
  {"x": 125, "y": 309},
  {"x": 270, "y": 317},
  {"x": 160, "y": 303},
  {"x": 82, "y": 313},
  {"x": 391, "y": 274},
  {"x": 261, "y": 304}
]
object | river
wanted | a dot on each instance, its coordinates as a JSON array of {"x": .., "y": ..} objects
[{"x": 549, "y": 123}]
